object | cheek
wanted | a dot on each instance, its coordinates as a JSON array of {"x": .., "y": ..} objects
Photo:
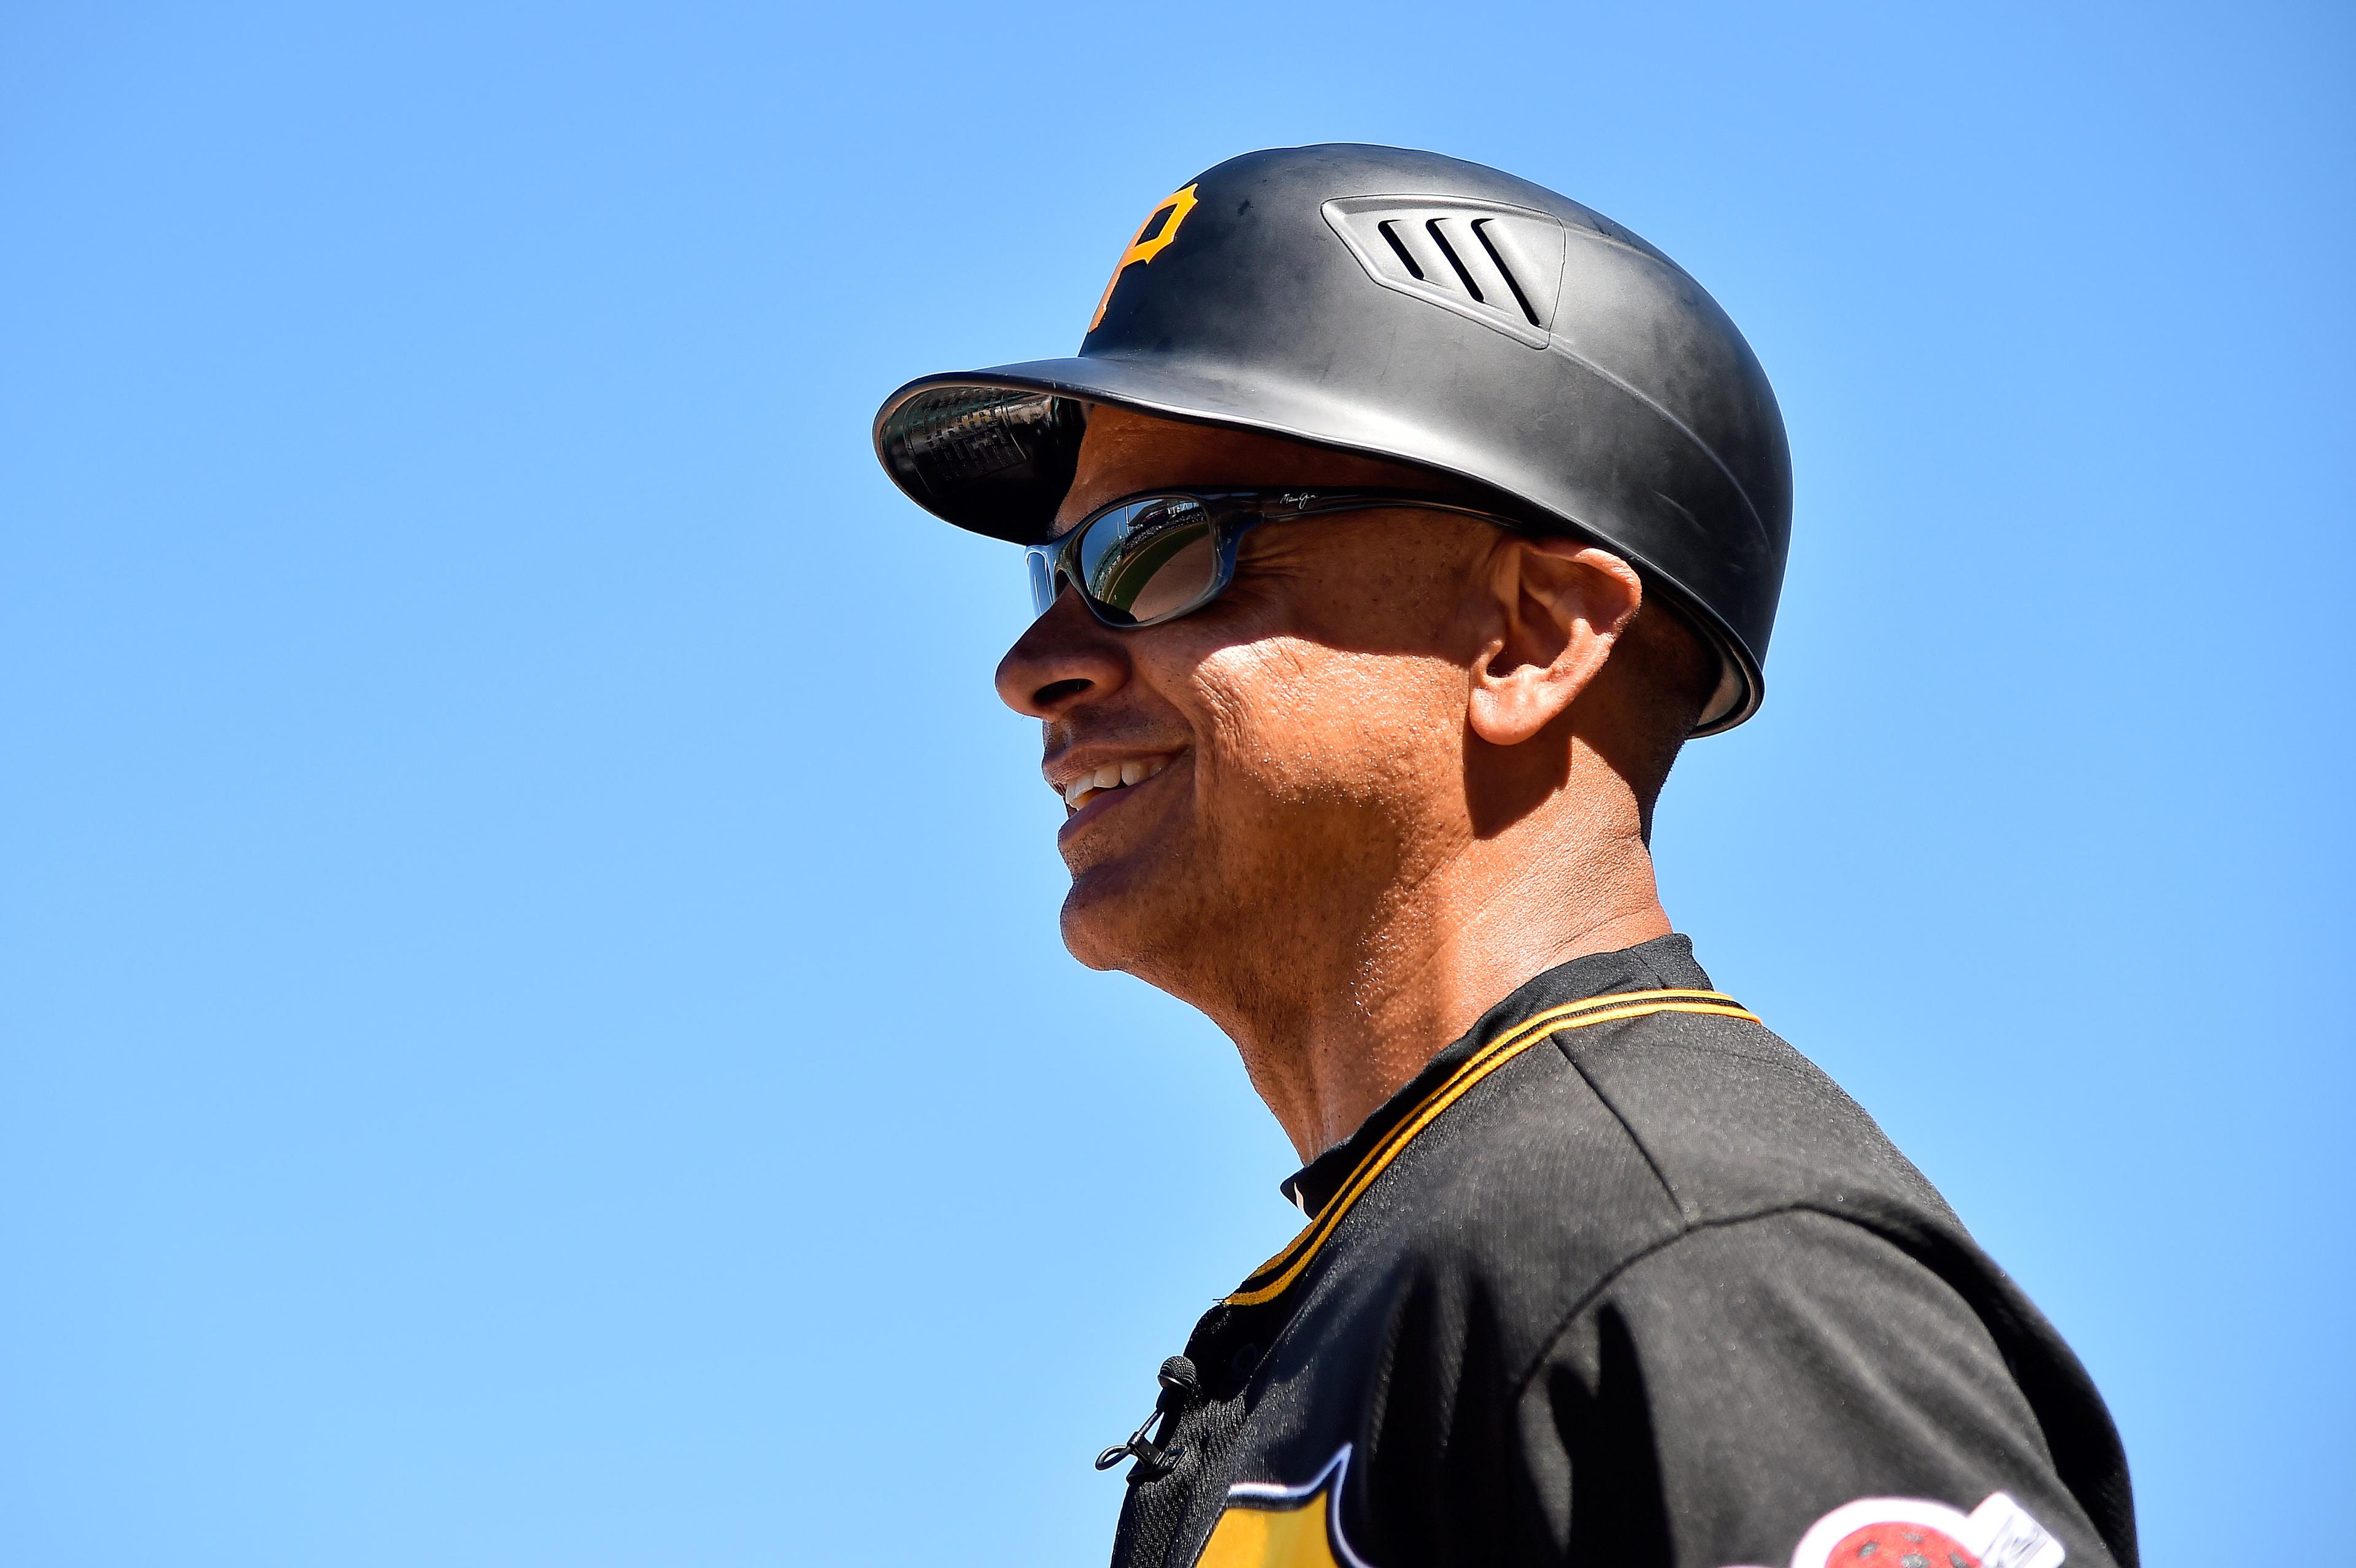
[{"x": 1304, "y": 724}]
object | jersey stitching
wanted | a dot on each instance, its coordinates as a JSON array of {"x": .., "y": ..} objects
[
  {"x": 1588, "y": 1297},
  {"x": 1668, "y": 1191}
]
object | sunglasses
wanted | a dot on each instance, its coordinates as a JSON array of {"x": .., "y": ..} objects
[{"x": 1153, "y": 557}]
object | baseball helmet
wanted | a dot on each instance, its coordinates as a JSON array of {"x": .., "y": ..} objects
[{"x": 1425, "y": 310}]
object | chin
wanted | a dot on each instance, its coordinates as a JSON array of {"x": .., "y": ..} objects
[
  {"x": 1135, "y": 912},
  {"x": 1104, "y": 923}
]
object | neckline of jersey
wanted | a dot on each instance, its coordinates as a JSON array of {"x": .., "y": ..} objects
[
  {"x": 1458, "y": 1070},
  {"x": 1663, "y": 962}
]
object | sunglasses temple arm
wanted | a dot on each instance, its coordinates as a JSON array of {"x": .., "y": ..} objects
[{"x": 1374, "y": 503}]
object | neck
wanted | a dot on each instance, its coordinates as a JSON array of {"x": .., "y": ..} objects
[{"x": 1333, "y": 1021}]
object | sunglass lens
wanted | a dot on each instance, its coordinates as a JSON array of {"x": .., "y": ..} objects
[{"x": 1150, "y": 558}]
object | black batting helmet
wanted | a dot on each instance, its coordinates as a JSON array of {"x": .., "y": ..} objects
[{"x": 1426, "y": 310}]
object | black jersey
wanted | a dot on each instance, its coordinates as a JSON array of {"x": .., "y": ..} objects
[{"x": 1621, "y": 1280}]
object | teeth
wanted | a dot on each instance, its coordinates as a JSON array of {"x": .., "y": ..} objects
[{"x": 1112, "y": 775}]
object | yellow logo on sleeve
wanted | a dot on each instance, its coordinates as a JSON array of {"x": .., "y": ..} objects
[
  {"x": 1160, "y": 227},
  {"x": 1283, "y": 1527}
]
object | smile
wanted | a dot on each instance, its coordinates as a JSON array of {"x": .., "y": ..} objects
[{"x": 1078, "y": 792}]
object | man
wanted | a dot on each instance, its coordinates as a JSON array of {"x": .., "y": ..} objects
[{"x": 1396, "y": 524}]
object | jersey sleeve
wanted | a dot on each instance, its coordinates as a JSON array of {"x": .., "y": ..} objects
[{"x": 1791, "y": 1389}]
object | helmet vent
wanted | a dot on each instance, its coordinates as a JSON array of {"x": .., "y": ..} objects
[
  {"x": 1480, "y": 232},
  {"x": 1498, "y": 265},
  {"x": 1398, "y": 249},
  {"x": 1449, "y": 250}
]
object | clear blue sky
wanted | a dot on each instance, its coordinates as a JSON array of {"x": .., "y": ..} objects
[{"x": 532, "y": 1029}]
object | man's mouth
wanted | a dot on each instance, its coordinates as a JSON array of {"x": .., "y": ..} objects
[{"x": 1112, "y": 776}]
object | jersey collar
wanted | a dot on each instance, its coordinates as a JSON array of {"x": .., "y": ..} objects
[{"x": 1664, "y": 963}]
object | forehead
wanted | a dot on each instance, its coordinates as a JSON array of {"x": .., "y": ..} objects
[{"x": 1125, "y": 452}]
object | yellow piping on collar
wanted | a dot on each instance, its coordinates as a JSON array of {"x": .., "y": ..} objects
[
  {"x": 1511, "y": 1039},
  {"x": 1288, "y": 1264}
]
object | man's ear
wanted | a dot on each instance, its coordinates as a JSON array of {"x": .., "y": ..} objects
[{"x": 1554, "y": 608}]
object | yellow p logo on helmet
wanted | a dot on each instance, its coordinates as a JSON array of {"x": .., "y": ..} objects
[{"x": 1161, "y": 225}]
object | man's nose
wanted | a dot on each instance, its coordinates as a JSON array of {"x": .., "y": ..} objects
[{"x": 1066, "y": 657}]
